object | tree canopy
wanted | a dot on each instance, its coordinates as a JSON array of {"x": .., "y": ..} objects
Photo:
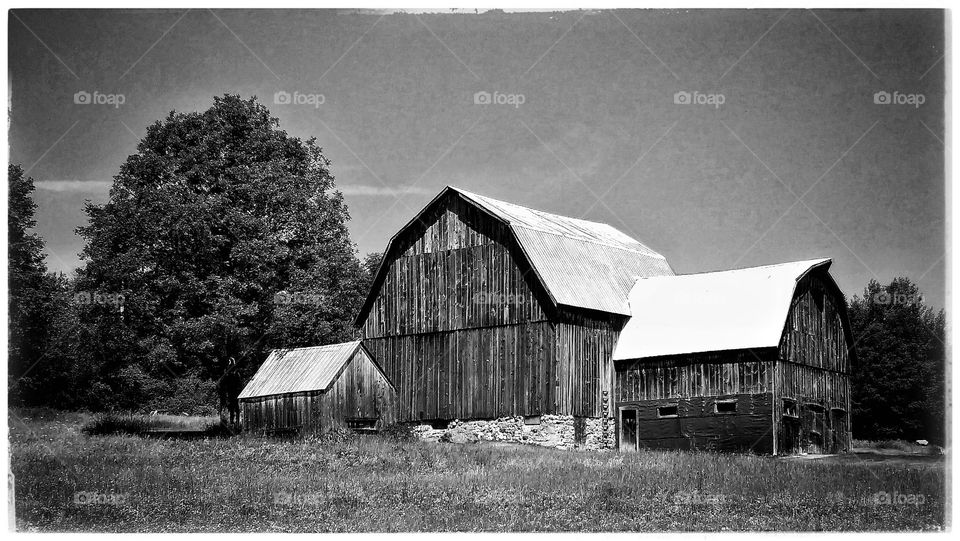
[
  {"x": 898, "y": 381},
  {"x": 223, "y": 236}
]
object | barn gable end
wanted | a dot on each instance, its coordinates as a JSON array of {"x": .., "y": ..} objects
[{"x": 483, "y": 309}]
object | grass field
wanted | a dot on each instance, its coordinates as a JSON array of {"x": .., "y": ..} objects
[{"x": 69, "y": 481}]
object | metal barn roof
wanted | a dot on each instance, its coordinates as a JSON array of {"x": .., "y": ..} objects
[
  {"x": 711, "y": 311},
  {"x": 300, "y": 370},
  {"x": 581, "y": 263}
]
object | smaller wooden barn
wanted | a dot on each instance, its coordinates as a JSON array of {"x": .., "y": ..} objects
[
  {"x": 751, "y": 359},
  {"x": 317, "y": 389}
]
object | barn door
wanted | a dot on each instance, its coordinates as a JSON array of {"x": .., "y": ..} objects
[{"x": 628, "y": 430}]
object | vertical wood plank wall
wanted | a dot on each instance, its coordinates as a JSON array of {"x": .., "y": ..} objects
[
  {"x": 459, "y": 326},
  {"x": 814, "y": 371},
  {"x": 360, "y": 391}
]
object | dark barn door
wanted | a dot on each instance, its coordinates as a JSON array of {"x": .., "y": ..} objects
[{"x": 628, "y": 430}]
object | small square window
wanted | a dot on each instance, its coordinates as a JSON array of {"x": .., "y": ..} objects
[
  {"x": 361, "y": 424},
  {"x": 727, "y": 406},
  {"x": 790, "y": 408},
  {"x": 667, "y": 411}
]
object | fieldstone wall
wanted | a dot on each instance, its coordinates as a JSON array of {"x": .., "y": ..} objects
[{"x": 552, "y": 431}]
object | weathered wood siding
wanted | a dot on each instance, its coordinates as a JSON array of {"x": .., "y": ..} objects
[
  {"x": 584, "y": 374},
  {"x": 697, "y": 425},
  {"x": 813, "y": 376},
  {"x": 360, "y": 391},
  {"x": 694, "y": 383},
  {"x": 294, "y": 413},
  {"x": 464, "y": 330},
  {"x": 461, "y": 272},
  {"x": 470, "y": 373}
]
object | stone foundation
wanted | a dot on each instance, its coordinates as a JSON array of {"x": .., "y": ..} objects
[{"x": 558, "y": 431}]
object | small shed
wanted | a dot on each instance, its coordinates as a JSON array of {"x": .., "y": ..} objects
[{"x": 317, "y": 389}]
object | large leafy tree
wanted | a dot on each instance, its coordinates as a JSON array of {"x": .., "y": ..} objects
[
  {"x": 223, "y": 237},
  {"x": 898, "y": 382}
]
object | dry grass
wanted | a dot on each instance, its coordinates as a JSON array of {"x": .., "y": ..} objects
[{"x": 379, "y": 484}]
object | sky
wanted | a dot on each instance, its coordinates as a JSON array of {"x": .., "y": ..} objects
[{"x": 720, "y": 138}]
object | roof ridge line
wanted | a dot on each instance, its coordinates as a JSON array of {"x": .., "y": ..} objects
[{"x": 815, "y": 261}]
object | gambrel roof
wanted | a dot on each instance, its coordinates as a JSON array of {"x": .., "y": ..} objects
[
  {"x": 711, "y": 311},
  {"x": 580, "y": 264},
  {"x": 301, "y": 369}
]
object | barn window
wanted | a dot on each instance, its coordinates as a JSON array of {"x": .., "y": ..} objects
[
  {"x": 667, "y": 411},
  {"x": 790, "y": 408},
  {"x": 440, "y": 424},
  {"x": 725, "y": 406},
  {"x": 814, "y": 407},
  {"x": 360, "y": 423},
  {"x": 531, "y": 420}
]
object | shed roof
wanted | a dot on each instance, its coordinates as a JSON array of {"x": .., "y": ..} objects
[
  {"x": 711, "y": 311},
  {"x": 300, "y": 370},
  {"x": 580, "y": 263}
]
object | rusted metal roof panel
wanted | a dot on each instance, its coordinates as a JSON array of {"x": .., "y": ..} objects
[
  {"x": 711, "y": 311},
  {"x": 300, "y": 370}
]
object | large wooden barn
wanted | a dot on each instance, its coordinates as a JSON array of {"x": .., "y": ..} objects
[
  {"x": 318, "y": 389},
  {"x": 527, "y": 326},
  {"x": 485, "y": 310}
]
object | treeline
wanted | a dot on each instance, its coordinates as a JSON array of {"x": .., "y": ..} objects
[
  {"x": 222, "y": 237},
  {"x": 899, "y": 379}
]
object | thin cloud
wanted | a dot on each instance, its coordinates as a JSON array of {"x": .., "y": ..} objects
[{"x": 91, "y": 186}]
